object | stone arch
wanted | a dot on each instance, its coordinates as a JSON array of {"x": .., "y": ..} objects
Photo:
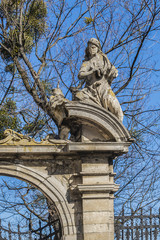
[{"x": 49, "y": 186}]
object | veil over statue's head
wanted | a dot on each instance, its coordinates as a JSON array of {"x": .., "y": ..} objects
[{"x": 95, "y": 42}]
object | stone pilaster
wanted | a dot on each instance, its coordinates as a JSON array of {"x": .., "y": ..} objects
[
  {"x": 96, "y": 187},
  {"x": 97, "y": 190}
]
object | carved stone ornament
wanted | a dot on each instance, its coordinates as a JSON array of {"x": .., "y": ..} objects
[
  {"x": 57, "y": 102},
  {"x": 14, "y": 138}
]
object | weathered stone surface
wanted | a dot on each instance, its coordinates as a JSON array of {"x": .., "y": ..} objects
[
  {"x": 99, "y": 235},
  {"x": 81, "y": 187},
  {"x": 92, "y": 206},
  {"x": 98, "y": 73},
  {"x": 57, "y": 102},
  {"x": 77, "y": 176},
  {"x": 98, "y": 146},
  {"x": 13, "y": 138},
  {"x": 106, "y": 126}
]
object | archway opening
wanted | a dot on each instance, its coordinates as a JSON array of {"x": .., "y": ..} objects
[{"x": 26, "y": 213}]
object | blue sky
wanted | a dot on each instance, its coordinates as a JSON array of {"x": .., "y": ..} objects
[{"x": 67, "y": 51}]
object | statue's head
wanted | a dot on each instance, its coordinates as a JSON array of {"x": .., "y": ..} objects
[
  {"x": 93, "y": 47},
  {"x": 95, "y": 42},
  {"x": 57, "y": 91}
]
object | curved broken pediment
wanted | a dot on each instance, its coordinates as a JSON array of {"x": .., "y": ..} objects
[
  {"x": 87, "y": 122},
  {"x": 95, "y": 123}
]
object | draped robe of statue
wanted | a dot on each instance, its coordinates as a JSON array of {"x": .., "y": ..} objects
[{"x": 97, "y": 84}]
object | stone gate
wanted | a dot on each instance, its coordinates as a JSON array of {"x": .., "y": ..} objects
[{"x": 76, "y": 175}]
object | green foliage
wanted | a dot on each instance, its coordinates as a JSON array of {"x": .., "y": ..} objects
[
  {"x": 8, "y": 118},
  {"x": 88, "y": 20},
  {"x": 33, "y": 127},
  {"x": 33, "y": 25},
  {"x": 10, "y": 68},
  {"x": 36, "y": 19},
  {"x": 47, "y": 86}
]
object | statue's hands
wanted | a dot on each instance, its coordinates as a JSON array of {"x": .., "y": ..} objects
[{"x": 99, "y": 71}]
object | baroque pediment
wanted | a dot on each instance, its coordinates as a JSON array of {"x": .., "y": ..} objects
[{"x": 95, "y": 123}]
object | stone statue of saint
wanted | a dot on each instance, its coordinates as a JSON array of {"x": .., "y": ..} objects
[{"x": 98, "y": 73}]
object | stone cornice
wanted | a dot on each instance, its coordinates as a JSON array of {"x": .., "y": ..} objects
[
  {"x": 65, "y": 148},
  {"x": 83, "y": 188},
  {"x": 115, "y": 147},
  {"x": 100, "y": 173},
  {"x": 109, "y": 188}
]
